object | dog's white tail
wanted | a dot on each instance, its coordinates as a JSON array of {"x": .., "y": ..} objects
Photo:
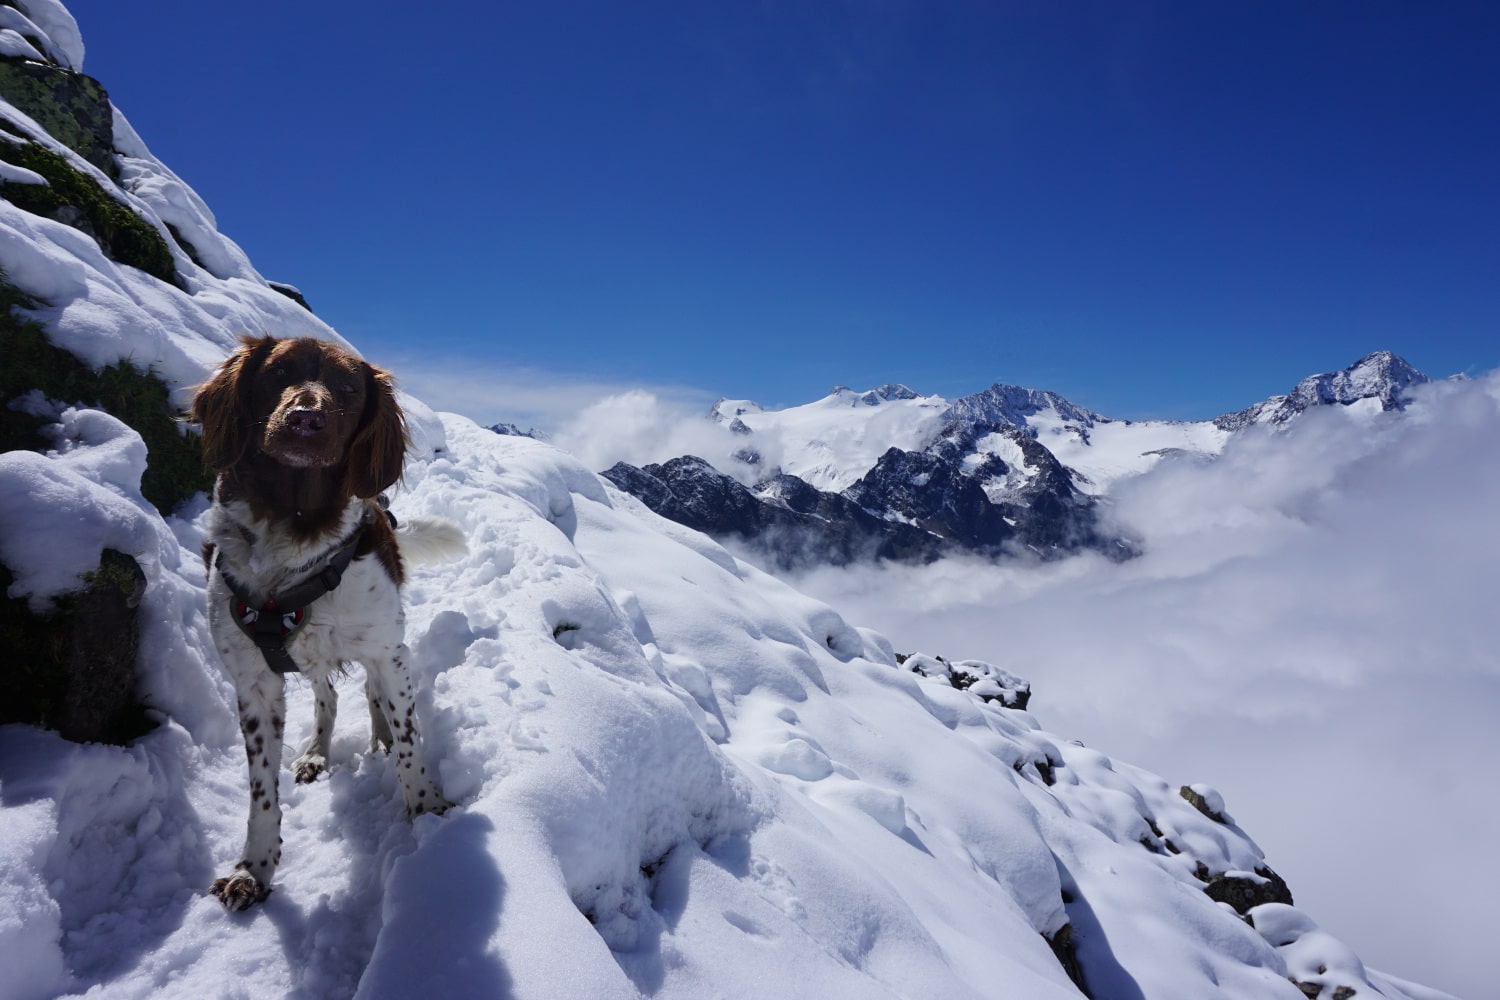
[{"x": 426, "y": 540}]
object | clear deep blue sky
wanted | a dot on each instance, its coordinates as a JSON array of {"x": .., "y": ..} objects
[{"x": 1157, "y": 209}]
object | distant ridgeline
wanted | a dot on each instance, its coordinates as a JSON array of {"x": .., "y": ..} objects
[{"x": 1003, "y": 472}]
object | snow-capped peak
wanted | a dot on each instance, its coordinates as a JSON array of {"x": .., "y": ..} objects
[
  {"x": 725, "y": 410},
  {"x": 1015, "y": 406},
  {"x": 1382, "y": 378},
  {"x": 1381, "y": 375},
  {"x": 845, "y": 396}
]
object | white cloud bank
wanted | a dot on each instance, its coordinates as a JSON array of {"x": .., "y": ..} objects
[
  {"x": 1314, "y": 629},
  {"x": 641, "y": 427},
  {"x": 490, "y": 392}
]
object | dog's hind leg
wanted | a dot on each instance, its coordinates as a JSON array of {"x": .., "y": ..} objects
[
  {"x": 380, "y": 730},
  {"x": 262, "y": 708},
  {"x": 314, "y": 759},
  {"x": 399, "y": 706}
]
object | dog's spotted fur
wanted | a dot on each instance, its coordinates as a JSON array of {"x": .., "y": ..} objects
[{"x": 303, "y": 435}]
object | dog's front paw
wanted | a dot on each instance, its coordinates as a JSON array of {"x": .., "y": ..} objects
[
  {"x": 305, "y": 769},
  {"x": 239, "y": 891}
]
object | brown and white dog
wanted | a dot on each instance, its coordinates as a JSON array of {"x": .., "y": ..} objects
[{"x": 304, "y": 435}]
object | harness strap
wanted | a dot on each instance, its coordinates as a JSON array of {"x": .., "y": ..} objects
[{"x": 272, "y": 624}]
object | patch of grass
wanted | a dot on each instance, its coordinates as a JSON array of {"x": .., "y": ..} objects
[{"x": 175, "y": 468}]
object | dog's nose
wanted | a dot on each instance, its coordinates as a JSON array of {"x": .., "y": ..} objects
[{"x": 306, "y": 421}]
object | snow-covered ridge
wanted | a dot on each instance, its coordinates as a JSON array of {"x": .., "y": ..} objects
[
  {"x": 1382, "y": 379},
  {"x": 1014, "y": 406},
  {"x": 676, "y": 775}
]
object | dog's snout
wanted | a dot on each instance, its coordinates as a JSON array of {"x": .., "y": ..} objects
[{"x": 305, "y": 420}]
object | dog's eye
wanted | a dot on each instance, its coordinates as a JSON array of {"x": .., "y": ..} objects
[
  {"x": 347, "y": 389},
  {"x": 278, "y": 371}
]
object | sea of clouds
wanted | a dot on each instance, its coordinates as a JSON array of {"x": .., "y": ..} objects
[{"x": 1313, "y": 628}]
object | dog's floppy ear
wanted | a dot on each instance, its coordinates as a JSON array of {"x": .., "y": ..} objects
[
  {"x": 222, "y": 404},
  {"x": 380, "y": 442}
]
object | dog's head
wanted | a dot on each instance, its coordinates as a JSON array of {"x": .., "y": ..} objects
[{"x": 306, "y": 404}]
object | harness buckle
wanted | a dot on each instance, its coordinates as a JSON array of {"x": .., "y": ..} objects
[{"x": 269, "y": 621}]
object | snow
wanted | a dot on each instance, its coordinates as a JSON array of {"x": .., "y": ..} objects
[
  {"x": 49, "y": 22},
  {"x": 1120, "y": 449},
  {"x": 12, "y": 44},
  {"x": 834, "y": 441},
  {"x": 799, "y": 795},
  {"x": 675, "y": 775}
]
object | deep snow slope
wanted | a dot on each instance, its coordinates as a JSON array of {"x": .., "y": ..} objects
[{"x": 676, "y": 776}]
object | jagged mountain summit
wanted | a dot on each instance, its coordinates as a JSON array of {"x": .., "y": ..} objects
[
  {"x": 1381, "y": 378},
  {"x": 675, "y": 776},
  {"x": 1007, "y": 470}
]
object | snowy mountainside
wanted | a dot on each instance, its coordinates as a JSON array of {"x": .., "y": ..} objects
[
  {"x": 676, "y": 776},
  {"x": 670, "y": 767}
]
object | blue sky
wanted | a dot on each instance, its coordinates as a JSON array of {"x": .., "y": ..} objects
[{"x": 1157, "y": 209}]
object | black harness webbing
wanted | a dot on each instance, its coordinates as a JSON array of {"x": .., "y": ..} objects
[{"x": 272, "y": 624}]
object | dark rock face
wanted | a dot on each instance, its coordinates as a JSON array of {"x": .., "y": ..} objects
[
  {"x": 933, "y": 492},
  {"x": 984, "y": 681},
  {"x": 1009, "y": 405},
  {"x": 1246, "y": 893},
  {"x": 290, "y": 291},
  {"x": 1198, "y": 802},
  {"x": 1066, "y": 950},
  {"x": 511, "y": 430},
  {"x": 912, "y": 506},
  {"x": 796, "y": 525},
  {"x": 73, "y": 108},
  {"x": 73, "y": 668},
  {"x": 985, "y": 505}
]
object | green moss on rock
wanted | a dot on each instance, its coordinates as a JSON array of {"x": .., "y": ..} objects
[
  {"x": 174, "y": 470},
  {"x": 77, "y": 200},
  {"x": 73, "y": 107}
]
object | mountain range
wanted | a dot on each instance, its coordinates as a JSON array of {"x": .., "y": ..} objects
[{"x": 892, "y": 474}]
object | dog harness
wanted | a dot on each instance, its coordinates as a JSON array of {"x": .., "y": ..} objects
[{"x": 272, "y": 623}]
